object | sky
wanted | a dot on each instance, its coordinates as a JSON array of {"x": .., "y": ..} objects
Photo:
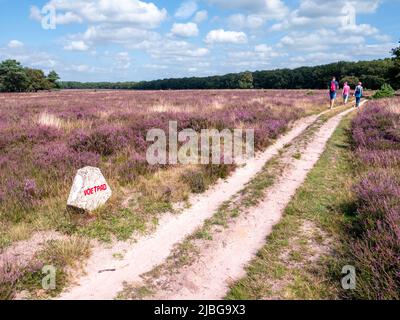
[{"x": 134, "y": 40}]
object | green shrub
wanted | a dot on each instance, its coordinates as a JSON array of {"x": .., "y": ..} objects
[{"x": 386, "y": 91}]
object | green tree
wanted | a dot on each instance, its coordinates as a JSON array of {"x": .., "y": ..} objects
[
  {"x": 53, "y": 77},
  {"x": 246, "y": 80},
  {"x": 394, "y": 73},
  {"x": 351, "y": 80},
  {"x": 37, "y": 80},
  {"x": 373, "y": 73},
  {"x": 13, "y": 77},
  {"x": 372, "y": 81}
]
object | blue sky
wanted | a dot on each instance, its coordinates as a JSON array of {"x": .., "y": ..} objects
[{"x": 132, "y": 40}]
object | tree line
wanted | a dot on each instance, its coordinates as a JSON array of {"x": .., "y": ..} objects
[
  {"x": 373, "y": 74},
  {"x": 16, "y": 78}
]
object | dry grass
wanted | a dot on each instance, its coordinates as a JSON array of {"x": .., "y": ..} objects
[
  {"x": 18, "y": 232},
  {"x": 50, "y": 120},
  {"x": 394, "y": 107},
  {"x": 165, "y": 184},
  {"x": 217, "y": 104},
  {"x": 66, "y": 253}
]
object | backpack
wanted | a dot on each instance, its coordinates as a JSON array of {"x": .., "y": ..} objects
[
  {"x": 358, "y": 91},
  {"x": 333, "y": 86}
]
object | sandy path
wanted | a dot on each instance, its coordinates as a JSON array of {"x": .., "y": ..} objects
[
  {"x": 22, "y": 252},
  {"x": 150, "y": 251},
  {"x": 222, "y": 260}
]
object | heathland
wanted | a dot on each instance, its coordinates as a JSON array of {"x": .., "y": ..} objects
[{"x": 342, "y": 211}]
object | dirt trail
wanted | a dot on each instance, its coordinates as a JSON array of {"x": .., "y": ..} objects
[
  {"x": 222, "y": 259},
  {"x": 151, "y": 250},
  {"x": 22, "y": 252}
]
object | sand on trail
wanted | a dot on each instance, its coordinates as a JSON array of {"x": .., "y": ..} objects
[
  {"x": 223, "y": 259},
  {"x": 105, "y": 275},
  {"x": 21, "y": 253}
]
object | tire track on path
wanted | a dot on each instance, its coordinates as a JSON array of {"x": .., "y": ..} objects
[
  {"x": 222, "y": 260},
  {"x": 151, "y": 250}
]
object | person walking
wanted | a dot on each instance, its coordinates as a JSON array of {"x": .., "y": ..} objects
[
  {"x": 346, "y": 93},
  {"x": 333, "y": 86},
  {"x": 358, "y": 93}
]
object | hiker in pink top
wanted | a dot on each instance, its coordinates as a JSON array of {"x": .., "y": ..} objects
[{"x": 346, "y": 93}]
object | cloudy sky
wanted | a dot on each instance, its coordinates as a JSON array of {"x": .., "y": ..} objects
[{"x": 131, "y": 40}]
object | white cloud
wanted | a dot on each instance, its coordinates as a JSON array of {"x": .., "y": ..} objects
[
  {"x": 170, "y": 51},
  {"x": 155, "y": 66},
  {"x": 314, "y": 33},
  {"x": 260, "y": 57},
  {"x": 361, "y": 29},
  {"x": 176, "y": 52},
  {"x": 364, "y": 30},
  {"x": 320, "y": 40},
  {"x": 329, "y": 13},
  {"x": 67, "y": 18},
  {"x": 76, "y": 46},
  {"x": 174, "y": 57},
  {"x": 29, "y": 57},
  {"x": 79, "y": 68},
  {"x": 185, "y": 29},
  {"x": 316, "y": 8},
  {"x": 254, "y": 14},
  {"x": 199, "y": 52},
  {"x": 250, "y": 5},
  {"x": 240, "y": 21},
  {"x": 35, "y": 13},
  {"x": 122, "y": 60},
  {"x": 134, "y": 12},
  {"x": 186, "y": 10},
  {"x": 245, "y": 60},
  {"x": 320, "y": 57},
  {"x": 374, "y": 50},
  {"x": 222, "y": 36},
  {"x": 262, "y": 48},
  {"x": 15, "y": 44},
  {"x": 105, "y": 33},
  {"x": 200, "y": 16}
]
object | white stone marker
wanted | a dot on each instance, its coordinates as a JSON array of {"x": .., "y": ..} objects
[{"x": 89, "y": 190}]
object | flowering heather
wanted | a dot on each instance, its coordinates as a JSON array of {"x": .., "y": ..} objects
[
  {"x": 376, "y": 249},
  {"x": 377, "y": 128},
  {"x": 12, "y": 269},
  {"x": 10, "y": 273},
  {"x": 377, "y": 193},
  {"x": 45, "y": 137},
  {"x": 105, "y": 140},
  {"x": 58, "y": 157},
  {"x": 379, "y": 158},
  {"x": 135, "y": 165}
]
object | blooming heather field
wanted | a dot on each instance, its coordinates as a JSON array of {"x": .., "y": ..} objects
[
  {"x": 376, "y": 244},
  {"x": 46, "y": 137}
]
